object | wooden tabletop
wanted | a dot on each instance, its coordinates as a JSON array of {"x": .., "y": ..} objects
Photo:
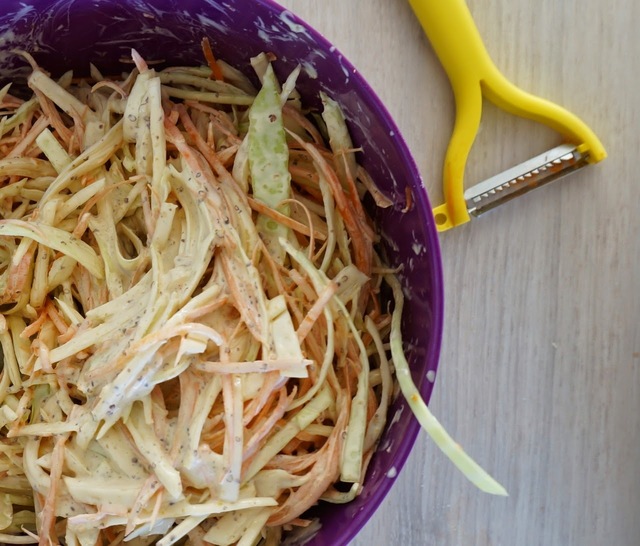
[{"x": 539, "y": 375}]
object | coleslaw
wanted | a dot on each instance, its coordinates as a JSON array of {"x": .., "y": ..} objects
[{"x": 194, "y": 346}]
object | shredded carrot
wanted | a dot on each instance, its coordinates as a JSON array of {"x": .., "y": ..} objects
[
  {"x": 47, "y": 516},
  {"x": 216, "y": 71},
  {"x": 56, "y": 318},
  {"x": 408, "y": 199},
  {"x": 284, "y": 219},
  {"x": 35, "y": 326}
]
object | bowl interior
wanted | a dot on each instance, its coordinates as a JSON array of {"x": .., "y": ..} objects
[{"x": 69, "y": 34}]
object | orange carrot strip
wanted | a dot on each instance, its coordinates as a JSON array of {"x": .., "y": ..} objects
[
  {"x": 409, "y": 199},
  {"x": 56, "y": 318},
  {"x": 29, "y": 138},
  {"x": 315, "y": 311},
  {"x": 216, "y": 71},
  {"x": 48, "y": 516},
  {"x": 283, "y": 219},
  {"x": 35, "y": 326},
  {"x": 54, "y": 116},
  {"x": 353, "y": 222}
]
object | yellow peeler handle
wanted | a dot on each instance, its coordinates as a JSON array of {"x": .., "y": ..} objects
[{"x": 455, "y": 38}]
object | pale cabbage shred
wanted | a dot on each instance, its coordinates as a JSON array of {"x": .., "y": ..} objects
[{"x": 171, "y": 367}]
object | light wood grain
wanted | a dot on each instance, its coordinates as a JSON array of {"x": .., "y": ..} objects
[{"x": 540, "y": 369}]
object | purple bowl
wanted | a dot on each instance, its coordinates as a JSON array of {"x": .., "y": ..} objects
[{"x": 68, "y": 34}]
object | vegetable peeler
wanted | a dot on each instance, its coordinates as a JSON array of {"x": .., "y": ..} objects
[{"x": 455, "y": 38}]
